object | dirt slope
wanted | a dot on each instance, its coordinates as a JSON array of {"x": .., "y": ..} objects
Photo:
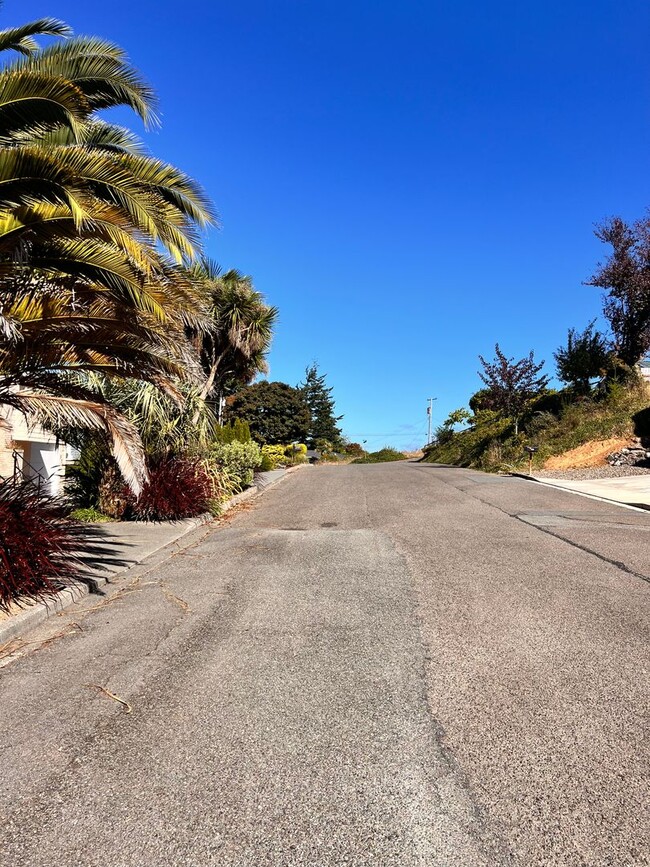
[{"x": 591, "y": 454}]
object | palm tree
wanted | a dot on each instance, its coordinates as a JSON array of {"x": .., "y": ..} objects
[
  {"x": 241, "y": 327},
  {"x": 62, "y": 334},
  {"x": 95, "y": 239},
  {"x": 78, "y": 196}
]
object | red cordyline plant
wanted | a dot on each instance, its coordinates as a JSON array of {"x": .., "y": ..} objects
[
  {"x": 38, "y": 546},
  {"x": 177, "y": 488}
]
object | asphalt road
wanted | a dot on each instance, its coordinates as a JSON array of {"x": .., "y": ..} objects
[{"x": 390, "y": 665}]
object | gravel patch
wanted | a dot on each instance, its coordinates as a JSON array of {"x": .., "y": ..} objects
[{"x": 588, "y": 473}]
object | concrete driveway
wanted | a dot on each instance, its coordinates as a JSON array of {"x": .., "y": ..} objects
[{"x": 373, "y": 665}]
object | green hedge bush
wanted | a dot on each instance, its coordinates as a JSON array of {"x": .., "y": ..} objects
[
  {"x": 238, "y": 461},
  {"x": 382, "y": 456},
  {"x": 274, "y": 457},
  {"x": 236, "y": 431}
]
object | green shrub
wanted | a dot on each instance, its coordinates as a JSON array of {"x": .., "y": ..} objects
[
  {"x": 89, "y": 515},
  {"x": 267, "y": 463},
  {"x": 274, "y": 456},
  {"x": 540, "y": 424},
  {"x": 554, "y": 424},
  {"x": 355, "y": 450},
  {"x": 237, "y": 431},
  {"x": 382, "y": 456},
  {"x": 84, "y": 476},
  {"x": 550, "y": 401},
  {"x": 239, "y": 461}
]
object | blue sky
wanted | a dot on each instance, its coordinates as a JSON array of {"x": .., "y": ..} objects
[{"x": 408, "y": 182}]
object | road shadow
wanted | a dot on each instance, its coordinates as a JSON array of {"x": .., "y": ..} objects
[{"x": 438, "y": 466}]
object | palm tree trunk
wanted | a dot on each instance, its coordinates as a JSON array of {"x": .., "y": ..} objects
[{"x": 209, "y": 383}]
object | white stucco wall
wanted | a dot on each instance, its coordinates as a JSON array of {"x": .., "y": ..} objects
[
  {"x": 36, "y": 446},
  {"x": 44, "y": 459}
]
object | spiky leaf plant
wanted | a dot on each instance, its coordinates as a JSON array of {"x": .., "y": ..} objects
[
  {"x": 177, "y": 488},
  {"x": 38, "y": 546}
]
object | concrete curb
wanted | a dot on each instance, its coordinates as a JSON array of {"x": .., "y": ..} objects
[{"x": 39, "y": 612}]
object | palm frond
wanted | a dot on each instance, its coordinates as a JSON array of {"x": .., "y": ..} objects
[
  {"x": 93, "y": 261},
  {"x": 9, "y": 329},
  {"x": 173, "y": 186},
  {"x": 29, "y": 175},
  {"x": 95, "y": 134},
  {"x": 58, "y": 412},
  {"x": 67, "y": 327},
  {"x": 32, "y": 103},
  {"x": 100, "y": 70},
  {"x": 205, "y": 270},
  {"x": 21, "y": 39},
  {"x": 43, "y": 222},
  {"x": 165, "y": 423},
  {"x": 123, "y": 179}
]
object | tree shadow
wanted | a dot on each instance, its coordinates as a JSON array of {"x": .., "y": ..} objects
[{"x": 99, "y": 556}]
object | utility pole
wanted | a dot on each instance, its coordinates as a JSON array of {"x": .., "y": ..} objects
[{"x": 429, "y": 413}]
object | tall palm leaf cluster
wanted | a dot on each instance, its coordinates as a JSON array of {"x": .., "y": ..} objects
[
  {"x": 234, "y": 347},
  {"x": 96, "y": 237}
]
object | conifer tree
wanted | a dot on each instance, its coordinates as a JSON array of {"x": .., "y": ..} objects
[{"x": 318, "y": 398}]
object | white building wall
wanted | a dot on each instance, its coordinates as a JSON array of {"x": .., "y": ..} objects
[{"x": 34, "y": 446}]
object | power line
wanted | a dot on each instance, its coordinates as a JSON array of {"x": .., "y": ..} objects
[
  {"x": 405, "y": 434},
  {"x": 408, "y": 433}
]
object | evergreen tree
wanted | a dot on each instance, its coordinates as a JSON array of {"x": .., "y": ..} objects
[
  {"x": 237, "y": 431},
  {"x": 276, "y": 413},
  {"x": 318, "y": 398},
  {"x": 585, "y": 356}
]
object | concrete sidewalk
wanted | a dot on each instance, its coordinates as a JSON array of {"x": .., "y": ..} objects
[
  {"x": 627, "y": 491},
  {"x": 115, "y": 547}
]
